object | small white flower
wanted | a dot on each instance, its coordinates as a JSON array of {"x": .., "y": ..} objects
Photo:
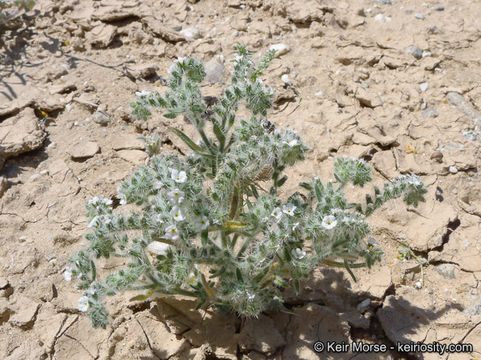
[
  {"x": 91, "y": 291},
  {"x": 177, "y": 213},
  {"x": 298, "y": 253},
  {"x": 203, "y": 223},
  {"x": 122, "y": 198},
  {"x": 67, "y": 274},
  {"x": 93, "y": 201},
  {"x": 93, "y": 222},
  {"x": 171, "y": 232},
  {"x": 176, "y": 196},
  {"x": 83, "y": 304},
  {"x": 158, "y": 248},
  {"x": 277, "y": 213},
  {"x": 157, "y": 185},
  {"x": 289, "y": 209},
  {"x": 289, "y": 138},
  {"x": 178, "y": 176},
  {"x": 142, "y": 93},
  {"x": 329, "y": 222}
]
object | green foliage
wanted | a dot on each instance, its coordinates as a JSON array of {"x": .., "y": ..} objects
[
  {"x": 11, "y": 8},
  {"x": 211, "y": 225}
]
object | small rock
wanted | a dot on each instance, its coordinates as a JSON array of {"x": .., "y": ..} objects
[
  {"x": 420, "y": 16},
  {"x": 415, "y": 51},
  {"x": 385, "y": 2},
  {"x": 438, "y": 8},
  {"x": 453, "y": 169},
  {"x": 430, "y": 112},
  {"x": 191, "y": 33},
  {"x": 424, "y": 86},
  {"x": 280, "y": 49},
  {"x": 426, "y": 54},
  {"x": 157, "y": 28},
  {"x": 214, "y": 69},
  {"x": 470, "y": 135},
  {"x": 25, "y": 312},
  {"x": 437, "y": 156},
  {"x": 382, "y": 18},
  {"x": 3, "y": 283},
  {"x": 363, "y": 305},
  {"x": 101, "y": 118},
  {"x": 143, "y": 71},
  {"x": 82, "y": 151},
  {"x": 127, "y": 142},
  {"x": 285, "y": 79},
  {"x": 21, "y": 133},
  {"x": 102, "y": 36},
  {"x": 446, "y": 270},
  {"x": 133, "y": 156},
  {"x": 367, "y": 99}
]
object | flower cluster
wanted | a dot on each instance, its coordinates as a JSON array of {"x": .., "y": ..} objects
[{"x": 210, "y": 225}]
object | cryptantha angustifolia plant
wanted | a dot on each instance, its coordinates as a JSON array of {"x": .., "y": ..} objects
[
  {"x": 9, "y": 9},
  {"x": 210, "y": 225}
]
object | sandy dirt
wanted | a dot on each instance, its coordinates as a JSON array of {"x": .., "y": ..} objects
[{"x": 397, "y": 83}]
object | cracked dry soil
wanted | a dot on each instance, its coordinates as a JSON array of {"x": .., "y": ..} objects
[{"x": 397, "y": 83}]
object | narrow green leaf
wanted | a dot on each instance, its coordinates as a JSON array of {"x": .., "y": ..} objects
[
  {"x": 239, "y": 275},
  {"x": 281, "y": 181},
  {"x": 186, "y": 139}
]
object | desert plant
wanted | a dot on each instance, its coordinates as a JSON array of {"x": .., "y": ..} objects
[
  {"x": 211, "y": 225},
  {"x": 15, "y": 7}
]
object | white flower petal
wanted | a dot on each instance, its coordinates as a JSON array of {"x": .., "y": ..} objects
[
  {"x": 83, "y": 304},
  {"x": 329, "y": 222},
  {"x": 158, "y": 248}
]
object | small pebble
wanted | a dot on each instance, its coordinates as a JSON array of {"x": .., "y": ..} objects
[
  {"x": 382, "y": 18},
  {"x": 280, "y": 49},
  {"x": 418, "y": 285},
  {"x": 415, "y": 51},
  {"x": 68, "y": 107},
  {"x": 385, "y": 2},
  {"x": 438, "y": 8},
  {"x": 424, "y": 86},
  {"x": 453, "y": 169},
  {"x": 101, "y": 118},
  {"x": 191, "y": 33},
  {"x": 426, "y": 54},
  {"x": 34, "y": 177},
  {"x": 430, "y": 112},
  {"x": 437, "y": 156},
  {"x": 319, "y": 93},
  {"x": 420, "y": 16},
  {"x": 285, "y": 78},
  {"x": 44, "y": 172}
]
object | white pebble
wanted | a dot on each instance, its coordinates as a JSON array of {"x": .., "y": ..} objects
[
  {"x": 424, "y": 86},
  {"x": 420, "y": 16},
  {"x": 453, "y": 169},
  {"x": 382, "y": 18},
  {"x": 191, "y": 33},
  {"x": 285, "y": 78},
  {"x": 68, "y": 107},
  {"x": 418, "y": 285},
  {"x": 280, "y": 49}
]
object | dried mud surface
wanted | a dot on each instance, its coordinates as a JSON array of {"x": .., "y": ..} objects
[{"x": 367, "y": 79}]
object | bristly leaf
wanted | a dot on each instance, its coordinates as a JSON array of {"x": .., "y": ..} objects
[{"x": 186, "y": 139}]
